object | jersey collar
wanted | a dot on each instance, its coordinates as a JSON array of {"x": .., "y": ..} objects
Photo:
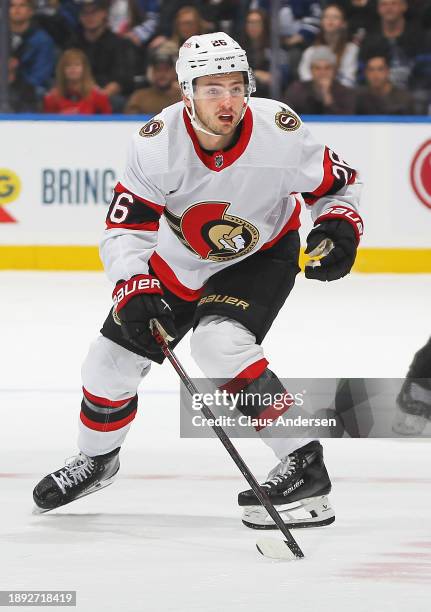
[{"x": 219, "y": 160}]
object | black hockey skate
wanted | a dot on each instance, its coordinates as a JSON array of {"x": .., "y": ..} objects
[
  {"x": 80, "y": 476},
  {"x": 413, "y": 407},
  {"x": 298, "y": 487}
]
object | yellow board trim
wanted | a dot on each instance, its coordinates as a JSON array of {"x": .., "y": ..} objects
[
  {"x": 51, "y": 257},
  {"x": 389, "y": 261}
]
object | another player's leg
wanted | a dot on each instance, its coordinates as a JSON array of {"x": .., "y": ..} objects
[
  {"x": 414, "y": 399},
  {"x": 110, "y": 375},
  {"x": 225, "y": 350}
]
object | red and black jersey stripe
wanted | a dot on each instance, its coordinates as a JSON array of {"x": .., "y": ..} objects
[
  {"x": 129, "y": 211},
  {"x": 337, "y": 174}
]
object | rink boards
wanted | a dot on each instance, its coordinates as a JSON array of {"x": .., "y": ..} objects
[{"x": 56, "y": 178}]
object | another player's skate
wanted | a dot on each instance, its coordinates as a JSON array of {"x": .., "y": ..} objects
[
  {"x": 298, "y": 487},
  {"x": 80, "y": 476},
  {"x": 413, "y": 407}
]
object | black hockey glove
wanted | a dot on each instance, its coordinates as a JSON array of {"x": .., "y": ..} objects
[
  {"x": 338, "y": 241},
  {"x": 136, "y": 302}
]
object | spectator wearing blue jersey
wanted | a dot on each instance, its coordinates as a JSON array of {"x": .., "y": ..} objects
[
  {"x": 31, "y": 46},
  {"x": 298, "y": 19},
  {"x": 136, "y": 20},
  {"x": 299, "y": 25}
]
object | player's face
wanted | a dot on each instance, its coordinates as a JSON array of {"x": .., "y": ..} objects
[{"x": 219, "y": 101}]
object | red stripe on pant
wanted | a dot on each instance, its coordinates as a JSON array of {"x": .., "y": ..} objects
[
  {"x": 103, "y": 401},
  {"x": 113, "y": 426},
  {"x": 247, "y": 376}
]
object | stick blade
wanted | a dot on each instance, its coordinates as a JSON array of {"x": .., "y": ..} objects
[{"x": 275, "y": 549}]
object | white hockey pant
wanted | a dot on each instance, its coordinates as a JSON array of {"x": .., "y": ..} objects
[{"x": 221, "y": 347}]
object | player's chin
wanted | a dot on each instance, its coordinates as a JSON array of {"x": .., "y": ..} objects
[{"x": 226, "y": 126}]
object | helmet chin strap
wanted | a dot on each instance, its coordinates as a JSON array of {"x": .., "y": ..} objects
[{"x": 197, "y": 124}]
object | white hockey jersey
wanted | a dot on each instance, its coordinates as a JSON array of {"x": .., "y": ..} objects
[{"x": 191, "y": 213}]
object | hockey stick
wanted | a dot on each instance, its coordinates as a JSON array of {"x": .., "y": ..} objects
[{"x": 275, "y": 549}]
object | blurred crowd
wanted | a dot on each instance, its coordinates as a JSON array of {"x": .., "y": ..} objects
[{"x": 362, "y": 57}]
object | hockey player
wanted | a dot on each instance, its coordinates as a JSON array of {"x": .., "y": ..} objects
[
  {"x": 414, "y": 399},
  {"x": 202, "y": 233}
]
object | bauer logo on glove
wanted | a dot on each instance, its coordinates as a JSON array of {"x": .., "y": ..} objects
[
  {"x": 140, "y": 284},
  {"x": 136, "y": 302}
]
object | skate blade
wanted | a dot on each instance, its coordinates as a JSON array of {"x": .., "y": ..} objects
[
  {"x": 97, "y": 487},
  {"x": 310, "y": 512},
  {"x": 275, "y": 549}
]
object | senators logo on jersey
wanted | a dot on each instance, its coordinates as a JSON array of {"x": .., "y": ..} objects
[
  {"x": 287, "y": 120},
  {"x": 152, "y": 128},
  {"x": 208, "y": 231}
]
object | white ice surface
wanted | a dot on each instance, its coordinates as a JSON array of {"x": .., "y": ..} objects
[{"x": 167, "y": 535}]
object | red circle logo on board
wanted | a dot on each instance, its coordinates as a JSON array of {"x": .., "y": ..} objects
[{"x": 420, "y": 173}]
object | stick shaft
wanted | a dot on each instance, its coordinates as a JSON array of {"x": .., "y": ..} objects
[{"x": 225, "y": 440}]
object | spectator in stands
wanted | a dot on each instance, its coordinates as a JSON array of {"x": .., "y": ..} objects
[
  {"x": 187, "y": 22},
  {"x": 299, "y": 25},
  {"x": 334, "y": 34},
  {"x": 299, "y": 21},
  {"x": 21, "y": 95},
  {"x": 322, "y": 95},
  {"x": 31, "y": 46},
  {"x": 75, "y": 92},
  {"x": 379, "y": 96},
  {"x": 255, "y": 39},
  {"x": 400, "y": 41},
  {"x": 209, "y": 11},
  {"x": 164, "y": 89},
  {"x": 111, "y": 58},
  {"x": 361, "y": 16},
  {"x": 54, "y": 16},
  {"x": 419, "y": 11},
  {"x": 136, "y": 20}
]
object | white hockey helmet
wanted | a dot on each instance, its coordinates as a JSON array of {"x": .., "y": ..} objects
[{"x": 207, "y": 54}]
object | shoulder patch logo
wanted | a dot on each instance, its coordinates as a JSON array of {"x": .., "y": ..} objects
[
  {"x": 287, "y": 121},
  {"x": 152, "y": 128}
]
